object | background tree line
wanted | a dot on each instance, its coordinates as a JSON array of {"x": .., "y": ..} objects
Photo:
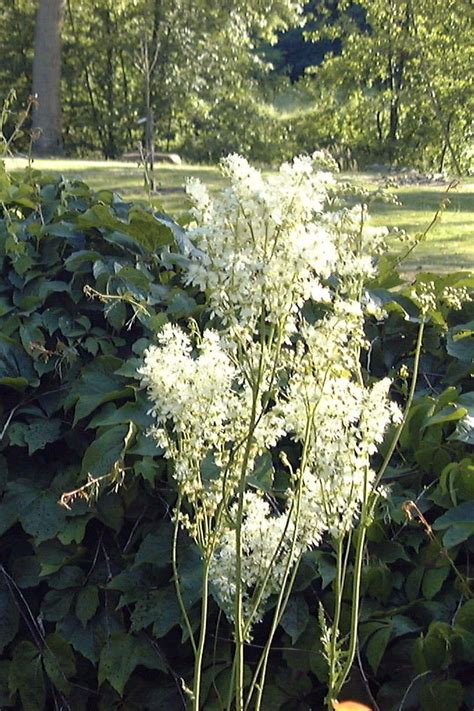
[{"x": 376, "y": 80}]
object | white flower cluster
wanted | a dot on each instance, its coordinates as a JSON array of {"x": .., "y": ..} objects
[
  {"x": 267, "y": 551},
  {"x": 424, "y": 294},
  {"x": 269, "y": 253},
  {"x": 262, "y": 243},
  {"x": 456, "y": 296}
]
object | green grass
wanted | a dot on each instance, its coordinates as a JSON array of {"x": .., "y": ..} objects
[{"x": 448, "y": 247}]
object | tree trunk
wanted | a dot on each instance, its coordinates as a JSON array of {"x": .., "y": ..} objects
[{"x": 47, "y": 76}]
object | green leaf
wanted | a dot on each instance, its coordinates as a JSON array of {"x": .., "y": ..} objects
[
  {"x": 44, "y": 519},
  {"x": 16, "y": 368},
  {"x": 26, "y": 677},
  {"x": 460, "y": 342},
  {"x": 98, "y": 384},
  {"x": 121, "y": 655},
  {"x": 442, "y": 694},
  {"x": 465, "y": 616},
  {"x": 56, "y": 604},
  {"x": 433, "y": 581},
  {"x": 263, "y": 473},
  {"x": 59, "y": 661},
  {"x": 87, "y": 602},
  {"x": 295, "y": 617},
  {"x": 377, "y": 645},
  {"x": 116, "y": 314},
  {"x": 36, "y": 509},
  {"x": 9, "y": 615},
  {"x": 100, "y": 457},
  {"x": 159, "y": 608},
  {"x": 156, "y": 547},
  {"x": 36, "y": 434},
  {"x": 460, "y": 522},
  {"x": 450, "y": 413}
]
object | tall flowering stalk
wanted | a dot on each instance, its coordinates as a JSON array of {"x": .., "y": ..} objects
[{"x": 284, "y": 280}]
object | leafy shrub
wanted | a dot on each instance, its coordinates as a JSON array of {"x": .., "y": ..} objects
[
  {"x": 88, "y": 615},
  {"x": 70, "y": 577}
]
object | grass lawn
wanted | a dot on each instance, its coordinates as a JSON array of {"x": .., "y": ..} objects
[{"x": 449, "y": 246}]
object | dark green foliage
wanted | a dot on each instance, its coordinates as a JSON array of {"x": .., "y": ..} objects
[
  {"x": 76, "y": 607},
  {"x": 88, "y": 613}
]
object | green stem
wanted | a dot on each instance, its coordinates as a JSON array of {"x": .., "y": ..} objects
[
  {"x": 238, "y": 607},
  {"x": 202, "y": 637},
  {"x": 335, "y": 685},
  {"x": 176, "y": 577},
  {"x": 258, "y": 681},
  {"x": 338, "y": 591},
  {"x": 411, "y": 394}
]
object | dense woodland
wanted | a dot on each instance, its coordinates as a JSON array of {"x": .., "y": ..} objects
[{"x": 373, "y": 81}]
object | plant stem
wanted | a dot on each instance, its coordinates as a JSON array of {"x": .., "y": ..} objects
[
  {"x": 339, "y": 588},
  {"x": 411, "y": 394},
  {"x": 202, "y": 636},
  {"x": 176, "y": 577}
]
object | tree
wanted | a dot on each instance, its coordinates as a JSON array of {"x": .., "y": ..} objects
[
  {"x": 402, "y": 77},
  {"x": 47, "y": 76}
]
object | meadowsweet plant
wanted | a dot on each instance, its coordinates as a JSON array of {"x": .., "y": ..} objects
[{"x": 283, "y": 270}]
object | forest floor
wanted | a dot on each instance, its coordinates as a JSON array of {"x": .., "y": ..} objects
[{"x": 449, "y": 245}]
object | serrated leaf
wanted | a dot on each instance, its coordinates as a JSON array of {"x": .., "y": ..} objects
[
  {"x": 87, "y": 602},
  {"x": 97, "y": 385},
  {"x": 100, "y": 457},
  {"x": 460, "y": 342},
  {"x": 465, "y": 616},
  {"x": 9, "y": 615},
  {"x": 35, "y": 434},
  {"x": 433, "y": 581},
  {"x": 156, "y": 547},
  {"x": 442, "y": 694},
  {"x": 16, "y": 367},
  {"x": 44, "y": 519},
  {"x": 377, "y": 645},
  {"x": 159, "y": 608},
  {"x": 263, "y": 473},
  {"x": 59, "y": 661},
  {"x": 56, "y": 604},
  {"x": 121, "y": 655},
  {"x": 295, "y": 617},
  {"x": 26, "y": 677}
]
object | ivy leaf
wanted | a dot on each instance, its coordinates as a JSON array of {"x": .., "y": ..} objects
[
  {"x": 460, "y": 342},
  {"x": 9, "y": 616},
  {"x": 100, "y": 457},
  {"x": 442, "y": 694},
  {"x": 465, "y": 616},
  {"x": 263, "y": 473},
  {"x": 26, "y": 677},
  {"x": 59, "y": 661},
  {"x": 36, "y": 434},
  {"x": 87, "y": 602},
  {"x": 98, "y": 384},
  {"x": 295, "y": 618},
  {"x": 160, "y": 608},
  {"x": 433, "y": 581},
  {"x": 16, "y": 368},
  {"x": 377, "y": 645},
  {"x": 35, "y": 508},
  {"x": 121, "y": 655},
  {"x": 460, "y": 524},
  {"x": 156, "y": 547}
]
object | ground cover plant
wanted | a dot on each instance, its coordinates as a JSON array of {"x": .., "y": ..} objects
[
  {"x": 87, "y": 588},
  {"x": 450, "y": 246}
]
